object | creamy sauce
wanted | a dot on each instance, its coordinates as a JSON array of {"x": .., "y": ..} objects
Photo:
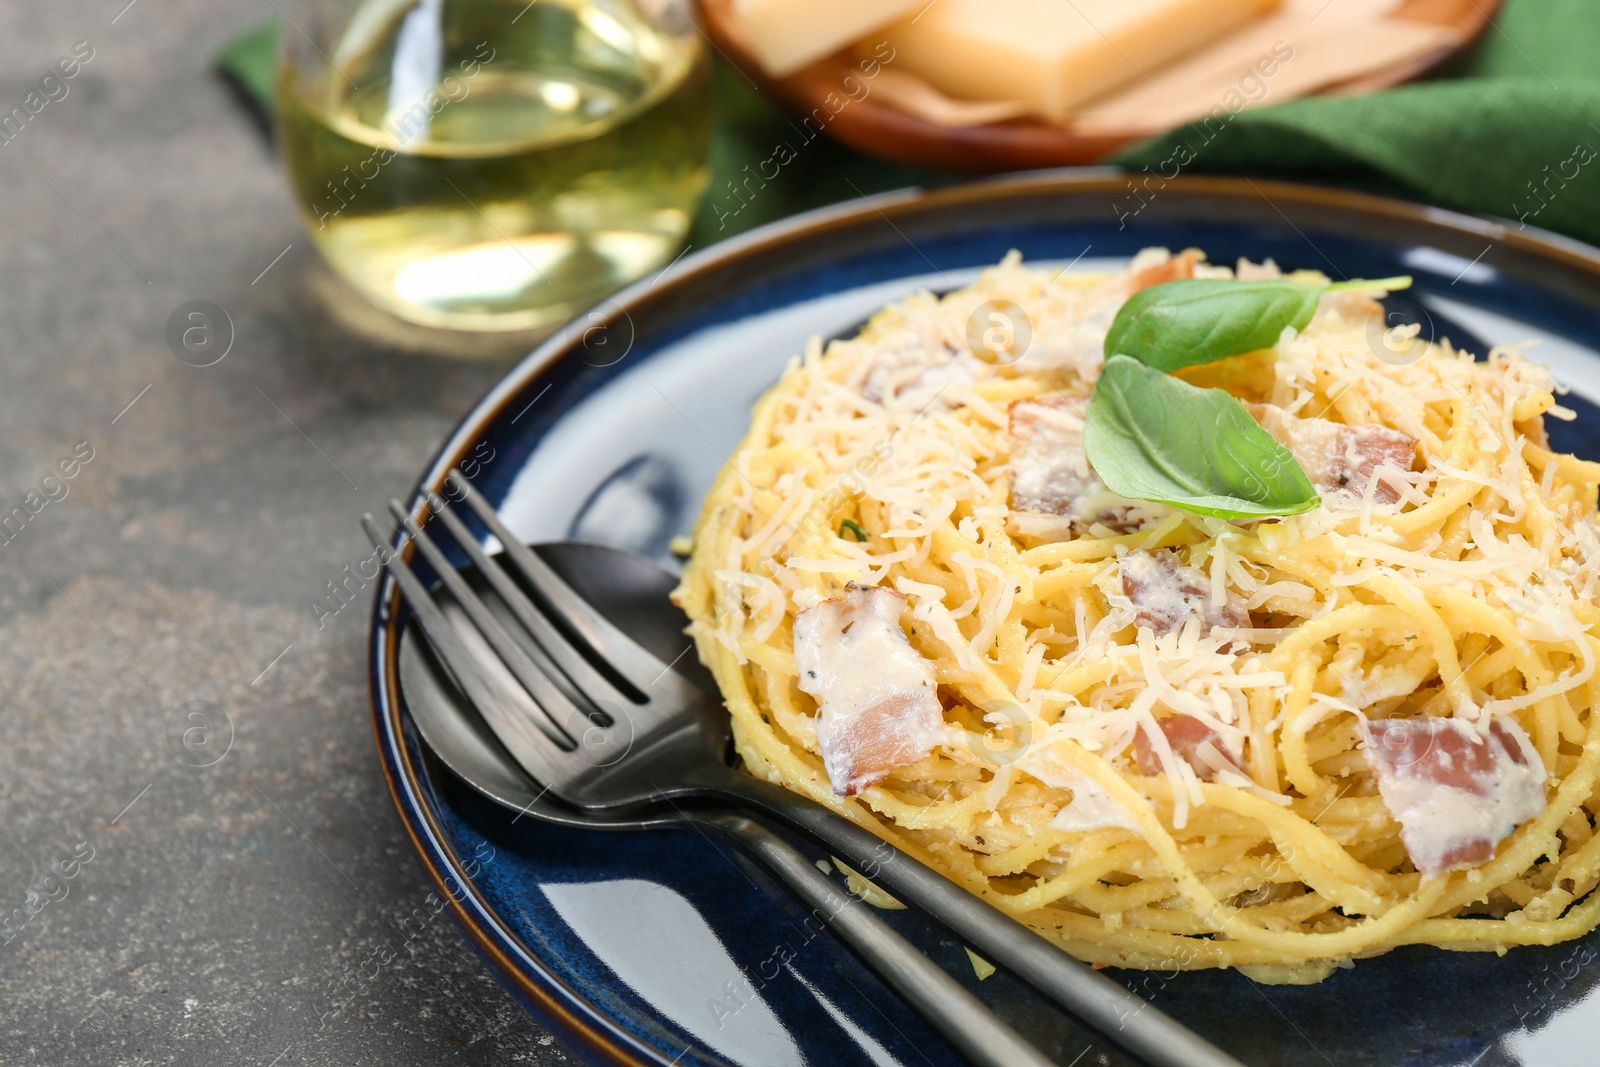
[{"x": 1091, "y": 806}]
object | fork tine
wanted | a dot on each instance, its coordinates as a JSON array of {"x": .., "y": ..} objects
[
  {"x": 521, "y": 733},
  {"x": 569, "y": 721},
  {"x": 563, "y": 661},
  {"x": 609, "y": 649}
]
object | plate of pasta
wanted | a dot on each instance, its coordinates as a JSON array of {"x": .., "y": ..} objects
[{"x": 1215, "y": 590}]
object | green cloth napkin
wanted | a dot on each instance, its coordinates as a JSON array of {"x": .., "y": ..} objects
[
  {"x": 248, "y": 60},
  {"x": 1510, "y": 128}
]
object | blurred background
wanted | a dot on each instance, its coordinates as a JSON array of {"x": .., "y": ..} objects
[{"x": 249, "y": 287}]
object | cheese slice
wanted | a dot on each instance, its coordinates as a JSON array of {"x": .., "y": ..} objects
[
  {"x": 786, "y": 35},
  {"x": 1250, "y": 67},
  {"x": 1054, "y": 54}
]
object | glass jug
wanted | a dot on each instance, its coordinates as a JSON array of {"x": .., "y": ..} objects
[{"x": 488, "y": 165}]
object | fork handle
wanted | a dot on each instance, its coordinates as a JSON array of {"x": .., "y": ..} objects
[
  {"x": 1096, "y": 999},
  {"x": 962, "y": 1018}
]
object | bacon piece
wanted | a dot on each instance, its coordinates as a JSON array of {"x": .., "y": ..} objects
[
  {"x": 1192, "y": 741},
  {"x": 1166, "y": 594},
  {"x": 1456, "y": 793},
  {"x": 1340, "y": 460},
  {"x": 1171, "y": 269},
  {"x": 1054, "y": 491},
  {"x": 878, "y": 704}
]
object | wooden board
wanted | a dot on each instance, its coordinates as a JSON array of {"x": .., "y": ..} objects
[{"x": 877, "y": 129}]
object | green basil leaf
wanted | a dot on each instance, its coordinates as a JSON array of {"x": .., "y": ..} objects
[
  {"x": 1153, "y": 437},
  {"x": 1200, "y": 320}
]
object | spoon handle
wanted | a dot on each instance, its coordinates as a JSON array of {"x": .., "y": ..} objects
[
  {"x": 963, "y": 1019},
  {"x": 1109, "y": 1007}
]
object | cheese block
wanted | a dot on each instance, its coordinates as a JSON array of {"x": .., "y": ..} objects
[
  {"x": 1054, "y": 54},
  {"x": 786, "y": 35}
]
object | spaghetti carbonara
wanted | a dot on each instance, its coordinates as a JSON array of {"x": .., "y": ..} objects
[{"x": 1161, "y": 737}]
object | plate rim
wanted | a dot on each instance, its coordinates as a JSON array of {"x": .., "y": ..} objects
[{"x": 584, "y": 1027}]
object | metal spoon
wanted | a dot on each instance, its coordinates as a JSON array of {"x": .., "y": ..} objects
[{"x": 465, "y": 744}]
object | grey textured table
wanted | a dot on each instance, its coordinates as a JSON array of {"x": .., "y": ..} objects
[{"x": 243, "y": 911}]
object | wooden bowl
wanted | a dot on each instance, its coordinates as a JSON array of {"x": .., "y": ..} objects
[{"x": 1022, "y": 144}]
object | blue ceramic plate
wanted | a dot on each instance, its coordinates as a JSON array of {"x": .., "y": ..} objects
[{"x": 670, "y": 948}]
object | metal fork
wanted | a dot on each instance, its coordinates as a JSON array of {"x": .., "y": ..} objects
[
  {"x": 459, "y": 638},
  {"x": 463, "y": 741},
  {"x": 620, "y": 728}
]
